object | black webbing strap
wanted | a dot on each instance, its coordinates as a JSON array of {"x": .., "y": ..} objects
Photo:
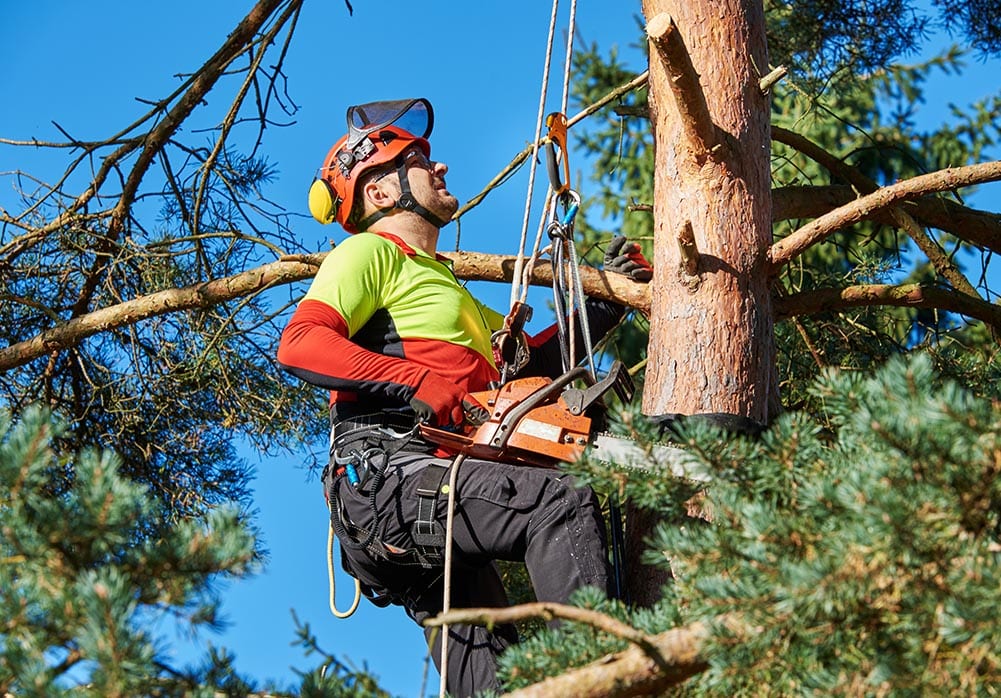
[{"x": 427, "y": 533}]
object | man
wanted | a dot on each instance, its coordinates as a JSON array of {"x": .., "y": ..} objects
[{"x": 390, "y": 331}]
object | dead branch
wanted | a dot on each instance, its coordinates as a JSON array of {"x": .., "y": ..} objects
[
  {"x": 549, "y": 611},
  {"x": 768, "y": 81},
  {"x": 152, "y": 143},
  {"x": 689, "y": 253},
  {"x": 655, "y": 662},
  {"x": 203, "y": 295},
  {"x": 630, "y": 672},
  {"x": 467, "y": 265},
  {"x": 817, "y": 230},
  {"x": 976, "y": 227}
]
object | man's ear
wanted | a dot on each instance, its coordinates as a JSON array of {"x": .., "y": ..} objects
[{"x": 378, "y": 195}]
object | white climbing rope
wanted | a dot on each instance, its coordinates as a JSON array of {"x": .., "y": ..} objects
[
  {"x": 519, "y": 290},
  {"x": 332, "y": 584},
  {"x": 446, "y": 603}
]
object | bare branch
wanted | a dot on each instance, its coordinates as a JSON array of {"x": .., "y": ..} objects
[
  {"x": 981, "y": 228},
  {"x": 768, "y": 81},
  {"x": 203, "y": 295},
  {"x": 905, "y": 296},
  {"x": 520, "y": 158},
  {"x": 936, "y": 255},
  {"x": 467, "y": 265},
  {"x": 547, "y": 611},
  {"x": 689, "y": 254},
  {"x": 630, "y": 672},
  {"x": 817, "y": 230},
  {"x": 153, "y": 142},
  {"x": 654, "y": 664}
]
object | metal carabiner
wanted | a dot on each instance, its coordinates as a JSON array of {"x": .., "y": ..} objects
[
  {"x": 562, "y": 226},
  {"x": 557, "y": 124}
]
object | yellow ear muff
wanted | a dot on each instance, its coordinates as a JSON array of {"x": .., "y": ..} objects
[{"x": 323, "y": 203}]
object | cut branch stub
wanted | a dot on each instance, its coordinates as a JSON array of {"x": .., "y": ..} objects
[
  {"x": 689, "y": 256},
  {"x": 766, "y": 83},
  {"x": 685, "y": 86}
]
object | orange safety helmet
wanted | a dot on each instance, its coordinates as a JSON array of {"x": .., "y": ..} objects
[{"x": 378, "y": 133}]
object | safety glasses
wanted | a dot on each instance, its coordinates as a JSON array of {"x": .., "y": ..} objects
[
  {"x": 412, "y": 158},
  {"x": 415, "y": 158}
]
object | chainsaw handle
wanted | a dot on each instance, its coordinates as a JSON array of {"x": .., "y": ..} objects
[
  {"x": 543, "y": 394},
  {"x": 449, "y": 439}
]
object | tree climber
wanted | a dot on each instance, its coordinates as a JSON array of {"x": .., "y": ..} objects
[{"x": 388, "y": 329}]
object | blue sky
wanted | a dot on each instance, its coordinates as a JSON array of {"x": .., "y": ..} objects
[{"x": 480, "y": 63}]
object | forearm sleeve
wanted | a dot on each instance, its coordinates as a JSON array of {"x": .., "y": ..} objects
[{"x": 315, "y": 347}]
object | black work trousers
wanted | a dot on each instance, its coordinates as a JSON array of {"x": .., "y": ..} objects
[{"x": 502, "y": 512}]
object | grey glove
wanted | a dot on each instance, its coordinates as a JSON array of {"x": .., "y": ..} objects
[{"x": 627, "y": 259}]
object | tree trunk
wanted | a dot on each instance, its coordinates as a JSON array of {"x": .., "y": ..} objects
[{"x": 711, "y": 347}]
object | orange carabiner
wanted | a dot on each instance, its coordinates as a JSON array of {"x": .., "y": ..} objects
[{"x": 557, "y": 124}]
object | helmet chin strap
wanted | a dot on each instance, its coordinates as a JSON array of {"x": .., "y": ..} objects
[{"x": 406, "y": 202}]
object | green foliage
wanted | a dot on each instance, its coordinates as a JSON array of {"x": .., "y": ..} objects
[
  {"x": 821, "y": 39},
  {"x": 86, "y": 567},
  {"x": 868, "y": 556},
  {"x": 979, "y": 20},
  {"x": 869, "y": 124},
  {"x": 856, "y": 552},
  {"x": 169, "y": 394},
  {"x": 89, "y": 568},
  {"x": 333, "y": 678}
]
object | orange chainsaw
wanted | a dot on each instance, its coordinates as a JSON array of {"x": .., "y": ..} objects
[
  {"x": 540, "y": 421},
  {"x": 536, "y": 421}
]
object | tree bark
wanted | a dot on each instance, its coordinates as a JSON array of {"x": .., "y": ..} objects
[{"x": 712, "y": 342}]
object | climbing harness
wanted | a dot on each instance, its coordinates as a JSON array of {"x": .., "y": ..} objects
[
  {"x": 446, "y": 603},
  {"x": 360, "y": 458}
]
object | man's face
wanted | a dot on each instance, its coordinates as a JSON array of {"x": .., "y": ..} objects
[{"x": 427, "y": 183}]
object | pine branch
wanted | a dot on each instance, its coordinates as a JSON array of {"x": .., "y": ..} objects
[
  {"x": 655, "y": 663},
  {"x": 631, "y": 672},
  {"x": 153, "y": 142},
  {"x": 900, "y": 217},
  {"x": 549, "y": 611}
]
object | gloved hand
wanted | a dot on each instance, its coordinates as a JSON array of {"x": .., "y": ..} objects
[
  {"x": 627, "y": 259},
  {"x": 440, "y": 402}
]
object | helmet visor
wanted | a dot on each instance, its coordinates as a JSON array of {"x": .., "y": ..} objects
[{"x": 413, "y": 115}]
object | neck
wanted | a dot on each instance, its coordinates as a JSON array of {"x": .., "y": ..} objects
[{"x": 412, "y": 229}]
